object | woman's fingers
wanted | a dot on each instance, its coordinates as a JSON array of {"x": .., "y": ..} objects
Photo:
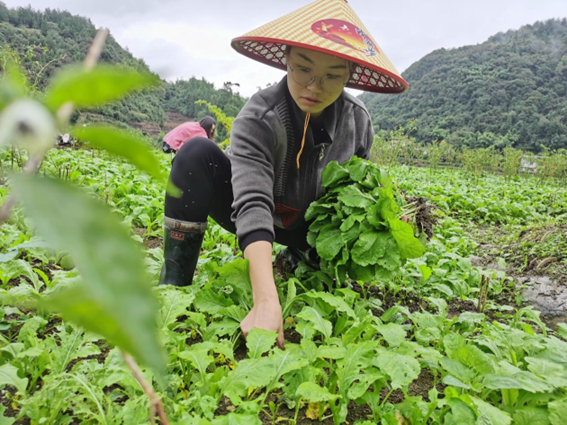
[
  {"x": 266, "y": 316},
  {"x": 280, "y": 341}
]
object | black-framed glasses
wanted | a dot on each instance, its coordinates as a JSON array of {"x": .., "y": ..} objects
[{"x": 305, "y": 77}]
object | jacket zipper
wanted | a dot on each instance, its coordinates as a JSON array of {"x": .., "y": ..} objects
[{"x": 322, "y": 152}]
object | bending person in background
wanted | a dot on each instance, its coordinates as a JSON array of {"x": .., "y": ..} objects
[
  {"x": 181, "y": 134},
  {"x": 280, "y": 143}
]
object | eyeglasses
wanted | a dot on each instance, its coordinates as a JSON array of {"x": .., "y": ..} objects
[{"x": 305, "y": 77}]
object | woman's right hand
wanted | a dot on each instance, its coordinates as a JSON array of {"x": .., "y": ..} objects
[
  {"x": 266, "y": 314},
  {"x": 267, "y": 311}
]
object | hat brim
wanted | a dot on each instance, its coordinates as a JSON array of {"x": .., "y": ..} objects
[{"x": 365, "y": 76}]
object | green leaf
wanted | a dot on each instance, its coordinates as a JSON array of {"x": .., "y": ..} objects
[
  {"x": 498, "y": 382},
  {"x": 329, "y": 242},
  {"x": 13, "y": 85},
  {"x": 531, "y": 416},
  {"x": 458, "y": 370},
  {"x": 116, "y": 300},
  {"x": 333, "y": 174},
  {"x": 425, "y": 272},
  {"x": 557, "y": 412},
  {"x": 360, "y": 387},
  {"x": 472, "y": 356},
  {"x": 259, "y": 341},
  {"x": 553, "y": 373},
  {"x": 174, "y": 303},
  {"x": 253, "y": 373},
  {"x": 89, "y": 88},
  {"x": 237, "y": 274},
  {"x": 452, "y": 381},
  {"x": 461, "y": 414},
  {"x": 353, "y": 197},
  {"x": 319, "y": 323},
  {"x": 338, "y": 303},
  {"x": 331, "y": 352},
  {"x": 374, "y": 217},
  {"x": 9, "y": 376},
  {"x": 532, "y": 383},
  {"x": 285, "y": 361},
  {"x": 234, "y": 312},
  {"x": 9, "y": 256},
  {"x": 387, "y": 207},
  {"x": 210, "y": 302},
  {"x": 221, "y": 328},
  {"x": 490, "y": 415},
  {"x": 314, "y": 393},
  {"x": 391, "y": 261},
  {"x": 358, "y": 168},
  {"x": 4, "y": 420},
  {"x": 400, "y": 368},
  {"x": 351, "y": 235},
  {"x": 317, "y": 212},
  {"x": 125, "y": 145},
  {"x": 291, "y": 296},
  {"x": 369, "y": 247},
  {"x": 349, "y": 222},
  {"x": 562, "y": 330},
  {"x": 358, "y": 356},
  {"x": 237, "y": 419},
  {"x": 198, "y": 357},
  {"x": 393, "y": 333},
  {"x": 453, "y": 342},
  {"x": 410, "y": 246}
]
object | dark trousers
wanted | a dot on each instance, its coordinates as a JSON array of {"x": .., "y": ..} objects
[{"x": 202, "y": 172}]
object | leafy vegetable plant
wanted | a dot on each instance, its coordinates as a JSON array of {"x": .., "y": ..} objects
[{"x": 356, "y": 227}]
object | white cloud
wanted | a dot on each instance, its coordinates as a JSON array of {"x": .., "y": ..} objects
[{"x": 184, "y": 38}]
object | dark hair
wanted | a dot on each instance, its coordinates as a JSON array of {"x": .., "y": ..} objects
[{"x": 207, "y": 123}]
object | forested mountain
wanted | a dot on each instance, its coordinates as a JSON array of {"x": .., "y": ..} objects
[
  {"x": 45, "y": 41},
  {"x": 509, "y": 90}
]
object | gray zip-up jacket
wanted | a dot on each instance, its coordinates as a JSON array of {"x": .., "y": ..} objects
[{"x": 265, "y": 139}]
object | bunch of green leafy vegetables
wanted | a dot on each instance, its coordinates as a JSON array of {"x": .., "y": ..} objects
[{"x": 356, "y": 228}]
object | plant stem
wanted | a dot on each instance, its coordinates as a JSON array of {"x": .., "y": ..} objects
[
  {"x": 155, "y": 402},
  {"x": 386, "y": 398}
]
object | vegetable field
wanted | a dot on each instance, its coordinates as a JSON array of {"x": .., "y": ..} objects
[{"x": 448, "y": 340}]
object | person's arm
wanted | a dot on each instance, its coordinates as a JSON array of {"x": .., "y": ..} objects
[
  {"x": 266, "y": 312},
  {"x": 252, "y": 162}
]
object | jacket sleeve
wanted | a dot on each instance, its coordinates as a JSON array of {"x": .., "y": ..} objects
[
  {"x": 252, "y": 162},
  {"x": 364, "y": 151}
]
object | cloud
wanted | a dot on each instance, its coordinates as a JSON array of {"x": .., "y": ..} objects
[{"x": 184, "y": 38}]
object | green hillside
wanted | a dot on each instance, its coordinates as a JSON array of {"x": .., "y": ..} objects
[
  {"x": 45, "y": 41},
  {"x": 510, "y": 90}
]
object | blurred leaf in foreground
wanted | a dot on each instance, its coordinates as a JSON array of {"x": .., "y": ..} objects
[
  {"x": 90, "y": 88},
  {"x": 115, "y": 299}
]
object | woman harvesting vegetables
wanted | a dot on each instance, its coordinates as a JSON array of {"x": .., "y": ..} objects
[{"x": 280, "y": 143}]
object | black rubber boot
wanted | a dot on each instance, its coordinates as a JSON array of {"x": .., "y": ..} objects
[{"x": 181, "y": 248}]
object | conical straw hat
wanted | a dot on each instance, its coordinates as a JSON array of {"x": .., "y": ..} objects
[{"x": 327, "y": 26}]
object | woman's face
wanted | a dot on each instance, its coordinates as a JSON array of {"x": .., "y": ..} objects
[{"x": 313, "y": 98}]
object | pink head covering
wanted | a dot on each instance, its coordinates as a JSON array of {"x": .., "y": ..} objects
[{"x": 180, "y": 134}]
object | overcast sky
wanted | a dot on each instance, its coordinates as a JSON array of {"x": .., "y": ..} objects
[{"x": 179, "y": 39}]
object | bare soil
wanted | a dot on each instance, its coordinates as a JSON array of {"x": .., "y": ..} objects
[{"x": 149, "y": 242}]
